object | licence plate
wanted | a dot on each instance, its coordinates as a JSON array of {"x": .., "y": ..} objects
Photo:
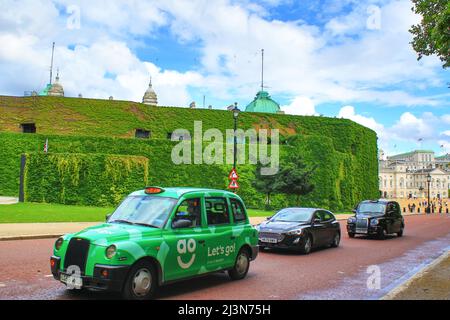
[
  {"x": 72, "y": 281},
  {"x": 269, "y": 240},
  {"x": 361, "y": 230}
]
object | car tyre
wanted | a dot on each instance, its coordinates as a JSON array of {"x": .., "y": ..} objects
[
  {"x": 351, "y": 235},
  {"x": 241, "y": 266},
  {"x": 381, "y": 234},
  {"x": 307, "y": 245},
  {"x": 141, "y": 283},
  {"x": 400, "y": 233},
  {"x": 336, "y": 240}
]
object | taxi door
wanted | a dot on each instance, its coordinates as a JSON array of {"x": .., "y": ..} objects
[
  {"x": 185, "y": 252},
  {"x": 220, "y": 242}
]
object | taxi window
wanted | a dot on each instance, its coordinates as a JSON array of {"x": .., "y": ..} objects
[
  {"x": 238, "y": 210},
  {"x": 190, "y": 209},
  {"x": 217, "y": 211}
]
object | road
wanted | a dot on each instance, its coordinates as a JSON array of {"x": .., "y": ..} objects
[{"x": 336, "y": 273}]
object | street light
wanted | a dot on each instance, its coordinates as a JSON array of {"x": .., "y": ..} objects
[
  {"x": 429, "y": 182},
  {"x": 235, "y": 117}
]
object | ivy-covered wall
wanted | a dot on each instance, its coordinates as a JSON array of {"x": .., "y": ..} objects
[
  {"x": 342, "y": 178},
  {"x": 345, "y": 152},
  {"x": 83, "y": 179}
]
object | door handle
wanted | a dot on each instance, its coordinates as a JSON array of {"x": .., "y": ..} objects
[
  {"x": 201, "y": 241},
  {"x": 233, "y": 238}
]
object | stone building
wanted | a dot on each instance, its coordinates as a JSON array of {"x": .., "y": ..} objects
[
  {"x": 56, "y": 89},
  {"x": 405, "y": 175},
  {"x": 150, "y": 98}
]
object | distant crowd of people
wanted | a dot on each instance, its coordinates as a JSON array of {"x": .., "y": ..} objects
[{"x": 436, "y": 206}]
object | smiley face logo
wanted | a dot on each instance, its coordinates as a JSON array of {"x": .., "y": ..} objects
[{"x": 183, "y": 247}]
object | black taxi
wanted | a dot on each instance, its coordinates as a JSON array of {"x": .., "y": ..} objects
[{"x": 376, "y": 217}]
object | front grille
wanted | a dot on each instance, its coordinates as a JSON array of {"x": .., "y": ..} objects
[
  {"x": 271, "y": 235},
  {"x": 76, "y": 254},
  {"x": 362, "y": 225}
]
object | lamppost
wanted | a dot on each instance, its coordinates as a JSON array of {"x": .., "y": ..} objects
[
  {"x": 235, "y": 117},
  {"x": 429, "y": 182}
]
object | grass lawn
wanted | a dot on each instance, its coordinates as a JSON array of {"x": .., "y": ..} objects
[
  {"x": 50, "y": 212},
  {"x": 45, "y": 212}
]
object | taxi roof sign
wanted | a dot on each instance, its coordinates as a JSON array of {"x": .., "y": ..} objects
[{"x": 153, "y": 190}]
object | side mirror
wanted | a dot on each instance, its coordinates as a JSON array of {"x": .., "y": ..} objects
[
  {"x": 108, "y": 216},
  {"x": 316, "y": 220},
  {"x": 354, "y": 210},
  {"x": 268, "y": 218},
  {"x": 181, "y": 223}
]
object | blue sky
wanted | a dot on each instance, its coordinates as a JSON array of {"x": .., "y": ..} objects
[{"x": 344, "y": 58}]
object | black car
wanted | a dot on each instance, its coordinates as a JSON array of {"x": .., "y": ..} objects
[
  {"x": 376, "y": 217},
  {"x": 301, "y": 229}
]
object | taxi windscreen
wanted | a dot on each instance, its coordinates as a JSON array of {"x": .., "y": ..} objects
[
  {"x": 371, "y": 208},
  {"x": 148, "y": 211}
]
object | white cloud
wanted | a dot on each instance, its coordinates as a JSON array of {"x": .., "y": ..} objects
[
  {"x": 348, "y": 112},
  {"x": 300, "y": 106},
  {"x": 346, "y": 63},
  {"x": 409, "y": 128},
  {"x": 412, "y": 128},
  {"x": 446, "y": 118}
]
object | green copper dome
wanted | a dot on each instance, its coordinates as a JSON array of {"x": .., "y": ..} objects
[
  {"x": 44, "y": 91},
  {"x": 263, "y": 103}
]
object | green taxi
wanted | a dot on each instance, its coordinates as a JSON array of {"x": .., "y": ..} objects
[{"x": 157, "y": 236}]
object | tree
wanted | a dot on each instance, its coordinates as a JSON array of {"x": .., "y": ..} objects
[
  {"x": 432, "y": 35},
  {"x": 294, "y": 178},
  {"x": 264, "y": 184}
]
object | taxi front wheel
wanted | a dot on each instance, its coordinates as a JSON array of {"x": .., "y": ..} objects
[
  {"x": 241, "y": 266},
  {"x": 141, "y": 283}
]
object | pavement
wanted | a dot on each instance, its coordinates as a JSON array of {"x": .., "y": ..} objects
[
  {"x": 334, "y": 273},
  {"x": 8, "y": 200},
  {"x": 431, "y": 283},
  {"x": 22, "y": 231}
]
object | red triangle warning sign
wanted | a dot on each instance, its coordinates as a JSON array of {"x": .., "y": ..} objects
[
  {"x": 233, "y": 185},
  {"x": 233, "y": 175}
]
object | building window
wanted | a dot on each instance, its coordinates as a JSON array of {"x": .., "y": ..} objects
[
  {"x": 180, "y": 137},
  {"x": 28, "y": 127},
  {"x": 142, "y": 134}
]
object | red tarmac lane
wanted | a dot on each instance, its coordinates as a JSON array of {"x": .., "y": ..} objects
[{"x": 25, "y": 271}]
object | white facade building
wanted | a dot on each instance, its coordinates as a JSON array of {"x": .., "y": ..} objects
[{"x": 405, "y": 175}]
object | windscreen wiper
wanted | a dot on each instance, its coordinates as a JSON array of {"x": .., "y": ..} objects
[
  {"x": 145, "y": 225},
  {"x": 122, "y": 221}
]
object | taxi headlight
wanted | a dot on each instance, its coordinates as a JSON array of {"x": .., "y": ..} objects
[
  {"x": 351, "y": 220},
  {"x": 295, "y": 232},
  {"x": 374, "y": 222},
  {"x": 110, "y": 251},
  {"x": 59, "y": 243}
]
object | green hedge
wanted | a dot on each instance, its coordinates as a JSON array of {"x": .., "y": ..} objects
[{"x": 83, "y": 179}]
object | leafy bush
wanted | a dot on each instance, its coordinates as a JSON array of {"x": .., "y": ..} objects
[{"x": 83, "y": 179}]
